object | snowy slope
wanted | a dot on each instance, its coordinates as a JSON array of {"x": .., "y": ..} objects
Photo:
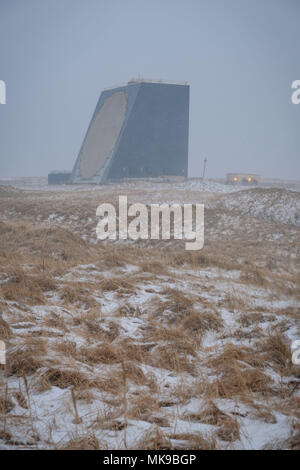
[{"x": 278, "y": 205}]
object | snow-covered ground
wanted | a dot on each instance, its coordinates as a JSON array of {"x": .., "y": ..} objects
[{"x": 146, "y": 345}]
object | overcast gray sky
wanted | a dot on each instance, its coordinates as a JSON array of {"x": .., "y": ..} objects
[{"x": 239, "y": 57}]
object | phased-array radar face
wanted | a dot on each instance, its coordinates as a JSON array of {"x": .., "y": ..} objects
[
  {"x": 138, "y": 130},
  {"x": 103, "y": 134}
]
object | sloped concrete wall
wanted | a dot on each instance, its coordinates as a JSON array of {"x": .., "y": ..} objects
[{"x": 138, "y": 130}]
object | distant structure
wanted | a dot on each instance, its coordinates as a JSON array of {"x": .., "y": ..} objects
[
  {"x": 138, "y": 130},
  {"x": 59, "y": 177},
  {"x": 242, "y": 178},
  {"x": 204, "y": 168}
]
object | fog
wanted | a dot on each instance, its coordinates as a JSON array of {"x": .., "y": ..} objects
[{"x": 240, "y": 58}]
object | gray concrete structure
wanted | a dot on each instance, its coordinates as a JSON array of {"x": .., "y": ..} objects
[
  {"x": 59, "y": 177},
  {"x": 138, "y": 130}
]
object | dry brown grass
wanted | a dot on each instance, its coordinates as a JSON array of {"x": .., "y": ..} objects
[
  {"x": 26, "y": 287},
  {"x": 134, "y": 373},
  {"x": 113, "y": 258},
  {"x": 85, "y": 442},
  {"x": 54, "y": 320},
  {"x": 276, "y": 351},
  {"x": 143, "y": 405},
  {"x": 178, "y": 301},
  {"x": 113, "y": 352},
  {"x": 154, "y": 439},
  {"x": 67, "y": 348},
  {"x": 252, "y": 318},
  {"x": 155, "y": 267},
  {"x": 6, "y": 405},
  {"x": 183, "y": 391},
  {"x": 229, "y": 431},
  {"x": 111, "y": 383},
  {"x": 127, "y": 310},
  {"x": 28, "y": 358},
  {"x": 254, "y": 276},
  {"x": 241, "y": 382},
  {"x": 132, "y": 351},
  {"x": 205, "y": 258},
  {"x": 5, "y": 330},
  {"x": 108, "y": 371},
  {"x": 117, "y": 284},
  {"x": 294, "y": 441},
  {"x": 209, "y": 414},
  {"x": 157, "y": 332},
  {"x": 198, "y": 323},
  {"x": 228, "y": 427},
  {"x": 263, "y": 413},
  {"x": 39, "y": 242},
  {"x": 105, "y": 353},
  {"x": 233, "y": 302},
  {"x": 78, "y": 293},
  {"x": 194, "y": 441},
  {"x": 176, "y": 357},
  {"x": 236, "y": 378},
  {"x": 232, "y": 353},
  {"x": 93, "y": 326},
  {"x": 62, "y": 378}
]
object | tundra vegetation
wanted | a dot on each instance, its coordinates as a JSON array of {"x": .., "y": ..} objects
[{"x": 144, "y": 345}]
